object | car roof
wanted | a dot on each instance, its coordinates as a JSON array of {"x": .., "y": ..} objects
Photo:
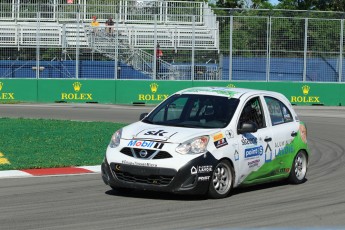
[{"x": 227, "y": 92}]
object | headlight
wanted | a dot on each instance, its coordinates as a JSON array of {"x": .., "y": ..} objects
[
  {"x": 115, "y": 139},
  {"x": 194, "y": 146}
]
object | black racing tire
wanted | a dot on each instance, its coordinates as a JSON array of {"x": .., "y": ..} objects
[
  {"x": 222, "y": 179},
  {"x": 299, "y": 168}
]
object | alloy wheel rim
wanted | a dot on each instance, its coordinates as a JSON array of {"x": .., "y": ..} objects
[
  {"x": 300, "y": 166},
  {"x": 222, "y": 179}
]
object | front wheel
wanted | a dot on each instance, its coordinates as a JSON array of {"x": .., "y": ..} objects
[
  {"x": 299, "y": 168},
  {"x": 222, "y": 180}
]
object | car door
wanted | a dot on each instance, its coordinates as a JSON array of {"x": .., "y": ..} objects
[
  {"x": 252, "y": 145},
  {"x": 280, "y": 151}
]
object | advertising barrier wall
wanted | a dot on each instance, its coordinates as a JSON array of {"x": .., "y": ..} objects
[
  {"x": 77, "y": 91},
  {"x": 18, "y": 90},
  {"x": 153, "y": 92}
]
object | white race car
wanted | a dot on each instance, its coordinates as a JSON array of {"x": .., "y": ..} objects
[{"x": 209, "y": 140}]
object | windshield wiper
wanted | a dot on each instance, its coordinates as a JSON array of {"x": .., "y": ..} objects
[
  {"x": 147, "y": 121},
  {"x": 189, "y": 126}
]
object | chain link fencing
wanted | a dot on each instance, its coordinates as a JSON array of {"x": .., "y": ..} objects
[{"x": 53, "y": 39}]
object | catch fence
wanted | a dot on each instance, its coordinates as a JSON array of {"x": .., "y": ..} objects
[{"x": 52, "y": 39}]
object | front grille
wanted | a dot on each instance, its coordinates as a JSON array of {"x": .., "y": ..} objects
[
  {"x": 152, "y": 180},
  {"x": 162, "y": 155},
  {"x": 127, "y": 151},
  {"x": 135, "y": 152},
  {"x": 142, "y": 174}
]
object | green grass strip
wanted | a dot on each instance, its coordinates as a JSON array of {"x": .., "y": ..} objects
[{"x": 31, "y": 143}]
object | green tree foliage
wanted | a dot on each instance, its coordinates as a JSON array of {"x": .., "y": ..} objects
[
  {"x": 228, "y": 4},
  {"x": 252, "y": 4},
  {"x": 324, "y": 5}
]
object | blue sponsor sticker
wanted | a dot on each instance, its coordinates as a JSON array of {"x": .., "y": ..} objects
[
  {"x": 253, "y": 152},
  {"x": 144, "y": 144}
]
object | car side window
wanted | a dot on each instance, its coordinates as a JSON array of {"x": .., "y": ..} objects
[
  {"x": 279, "y": 113},
  {"x": 252, "y": 112}
]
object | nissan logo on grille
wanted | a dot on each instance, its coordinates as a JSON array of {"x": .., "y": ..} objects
[{"x": 143, "y": 153}]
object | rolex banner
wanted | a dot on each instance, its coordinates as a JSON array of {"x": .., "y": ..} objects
[
  {"x": 16, "y": 90},
  {"x": 153, "y": 92},
  {"x": 76, "y": 91},
  {"x": 147, "y": 92}
]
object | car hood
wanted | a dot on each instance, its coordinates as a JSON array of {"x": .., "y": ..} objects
[{"x": 143, "y": 131}]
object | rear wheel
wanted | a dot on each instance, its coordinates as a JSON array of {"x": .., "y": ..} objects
[
  {"x": 299, "y": 168},
  {"x": 222, "y": 180}
]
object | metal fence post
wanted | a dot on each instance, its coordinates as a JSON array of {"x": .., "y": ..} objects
[
  {"x": 193, "y": 48},
  {"x": 38, "y": 45},
  {"x": 305, "y": 50},
  {"x": 341, "y": 49},
  {"x": 155, "y": 50},
  {"x": 54, "y": 9},
  {"x": 84, "y": 8},
  {"x": 77, "y": 45},
  {"x": 116, "y": 61},
  {"x": 230, "y": 51},
  {"x": 268, "y": 45}
]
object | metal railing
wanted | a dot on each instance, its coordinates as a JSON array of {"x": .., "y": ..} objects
[{"x": 129, "y": 11}]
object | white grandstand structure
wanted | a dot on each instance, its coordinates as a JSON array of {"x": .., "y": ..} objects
[
  {"x": 135, "y": 21},
  {"x": 139, "y": 25}
]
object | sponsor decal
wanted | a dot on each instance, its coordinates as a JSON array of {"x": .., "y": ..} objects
[
  {"x": 76, "y": 95},
  {"x": 118, "y": 167},
  {"x": 201, "y": 169},
  {"x": 153, "y": 96},
  {"x": 270, "y": 155},
  {"x": 218, "y": 136},
  {"x": 145, "y": 164},
  {"x": 249, "y": 140},
  {"x": 156, "y": 133},
  {"x": 5, "y": 95},
  {"x": 220, "y": 143},
  {"x": 236, "y": 155},
  {"x": 144, "y": 144},
  {"x": 286, "y": 150},
  {"x": 229, "y": 134},
  {"x": 253, "y": 152},
  {"x": 231, "y": 86},
  {"x": 253, "y": 163},
  {"x": 305, "y": 98},
  {"x": 303, "y": 132},
  {"x": 281, "y": 144},
  {"x": 280, "y": 171},
  {"x": 204, "y": 178},
  {"x": 217, "y": 90},
  {"x": 268, "y": 149},
  {"x": 205, "y": 169}
]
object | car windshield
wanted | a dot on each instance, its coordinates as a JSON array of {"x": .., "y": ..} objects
[{"x": 194, "y": 111}]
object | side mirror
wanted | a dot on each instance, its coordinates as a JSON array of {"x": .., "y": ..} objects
[
  {"x": 142, "y": 116},
  {"x": 247, "y": 127}
]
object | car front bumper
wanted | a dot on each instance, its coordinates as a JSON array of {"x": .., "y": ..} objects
[{"x": 193, "y": 178}]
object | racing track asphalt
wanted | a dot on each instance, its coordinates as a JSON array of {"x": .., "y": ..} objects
[{"x": 84, "y": 202}]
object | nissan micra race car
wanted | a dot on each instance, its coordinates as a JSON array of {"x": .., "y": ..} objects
[{"x": 209, "y": 140}]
